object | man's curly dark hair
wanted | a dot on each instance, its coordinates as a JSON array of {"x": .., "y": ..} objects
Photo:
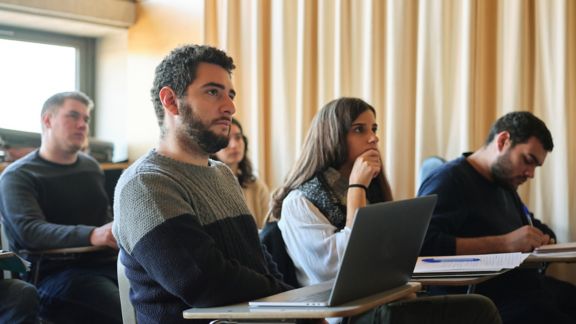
[{"x": 178, "y": 71}]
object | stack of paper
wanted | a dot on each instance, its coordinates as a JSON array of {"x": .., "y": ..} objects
[{"x": 462, "y": 265}]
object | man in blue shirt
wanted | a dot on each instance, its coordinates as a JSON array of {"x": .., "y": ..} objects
[{"x": 479, "y": 211}]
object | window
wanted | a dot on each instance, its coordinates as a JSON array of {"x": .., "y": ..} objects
[{"x": 34, "y": 66}]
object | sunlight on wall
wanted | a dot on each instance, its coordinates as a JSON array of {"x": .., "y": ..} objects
[{"x": 162, "y": 25}]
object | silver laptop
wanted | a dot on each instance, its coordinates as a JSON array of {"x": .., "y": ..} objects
[{"x": 381, "y": 253}]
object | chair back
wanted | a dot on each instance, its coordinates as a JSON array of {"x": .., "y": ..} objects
[
  {"x": 128, "y": 313},
  {"x": 4, "y": 245},
  {"x": 429, "y": 164},
  {"x": 271, "y": 237}
]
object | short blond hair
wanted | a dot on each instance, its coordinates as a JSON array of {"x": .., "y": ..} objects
[{"x": 57, "y": 100}]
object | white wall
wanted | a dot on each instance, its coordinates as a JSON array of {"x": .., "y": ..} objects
[
  {"x": 111, "y": 92},
  {"x": 161, "y": 26}
]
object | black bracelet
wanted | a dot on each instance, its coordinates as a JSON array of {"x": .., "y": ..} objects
[{"x": 358, "y": 185}]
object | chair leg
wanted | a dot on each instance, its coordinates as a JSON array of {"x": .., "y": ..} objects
[{"x": 36, "y": 271}]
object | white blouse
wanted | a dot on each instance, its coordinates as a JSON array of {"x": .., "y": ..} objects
[{"x": 313, "y": 243}]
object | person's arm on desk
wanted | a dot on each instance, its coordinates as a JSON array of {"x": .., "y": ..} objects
[
  {"x": 24, "y": 216},
  {"x": 524, "y": 239}
]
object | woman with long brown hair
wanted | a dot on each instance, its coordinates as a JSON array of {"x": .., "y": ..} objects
[{"x": 338, "y": 171}]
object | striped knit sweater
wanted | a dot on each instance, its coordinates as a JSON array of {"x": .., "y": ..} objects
[{"x": 187, "y": 239}]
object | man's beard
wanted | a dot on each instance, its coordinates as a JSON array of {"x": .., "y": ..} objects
[
  {"x": 193, "y": 133},
  {"x": 501, "y": 171}
]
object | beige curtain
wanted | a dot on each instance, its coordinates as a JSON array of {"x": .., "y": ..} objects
[{"x": 439, "y": 72}]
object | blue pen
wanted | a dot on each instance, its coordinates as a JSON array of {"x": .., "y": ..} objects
[
  {"x": 434, "y": 260},
  {"x": 528, "y": 215}
]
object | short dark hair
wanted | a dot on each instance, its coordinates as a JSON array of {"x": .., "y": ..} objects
[
  {"x": 57, "y": 100},
  {"x": 178, "y": 71},
  {"x": 521, "y": 125}
]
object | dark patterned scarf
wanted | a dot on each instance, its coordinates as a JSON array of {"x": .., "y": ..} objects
[{"x": 320, "y": 193}]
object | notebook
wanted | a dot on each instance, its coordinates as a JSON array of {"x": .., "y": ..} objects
[{"x": 381, "y": 253}]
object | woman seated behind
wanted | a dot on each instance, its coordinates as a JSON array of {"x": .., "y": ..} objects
[
  {"x": 255, "y": 191},
  {"x": 316, "y": 207}
]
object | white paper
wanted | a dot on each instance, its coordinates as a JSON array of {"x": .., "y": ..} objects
[{"x": 486, "y": 262}]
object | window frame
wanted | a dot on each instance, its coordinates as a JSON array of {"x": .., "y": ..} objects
[{"x": 85, "y": 54}]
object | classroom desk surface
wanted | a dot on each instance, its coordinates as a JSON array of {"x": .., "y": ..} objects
[
  {"x": 456, "y": 281},
  {"x": 469, "y": 281},
  {"x": 73, "y": 250},
  {"x": 114, "y": 166},
  {"x": 567, "y": 257},
  {"x": 105, "y": 166},
  {"x": 243, "y": 311}
]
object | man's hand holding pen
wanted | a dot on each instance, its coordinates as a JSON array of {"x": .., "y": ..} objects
[
  {"x": 525, "y": 239},
  {"x": 530, "y": 221}
]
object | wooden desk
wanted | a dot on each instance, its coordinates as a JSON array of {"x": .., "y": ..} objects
[
  {"x": 62, "y": 253},
  {"x": 73, "y": 250},
  {"x": 567, "y": 257},
  {"x": 114, "y": 166},
  {"x": 470, "y": 281},
  {"x": 560, "y": 265},
  {"x": 104, "y": 166},
  {"x": 243, "y": 311},
  {"x": 455, "y": 281}
]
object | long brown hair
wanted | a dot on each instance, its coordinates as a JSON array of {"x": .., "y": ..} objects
[{"x": 325, "y": 146}]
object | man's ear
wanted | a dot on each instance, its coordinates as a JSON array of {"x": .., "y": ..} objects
[
  {"x": 503, "y": 141},
  {"x": 45, "y": 119},
  {"x": 169, "y": 100}
]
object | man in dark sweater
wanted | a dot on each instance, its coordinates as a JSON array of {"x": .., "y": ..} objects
[
  {"x": 186, "y": 236},
  {"x": 54, "y": 198},
  {"x": 479, "y": 211}
]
